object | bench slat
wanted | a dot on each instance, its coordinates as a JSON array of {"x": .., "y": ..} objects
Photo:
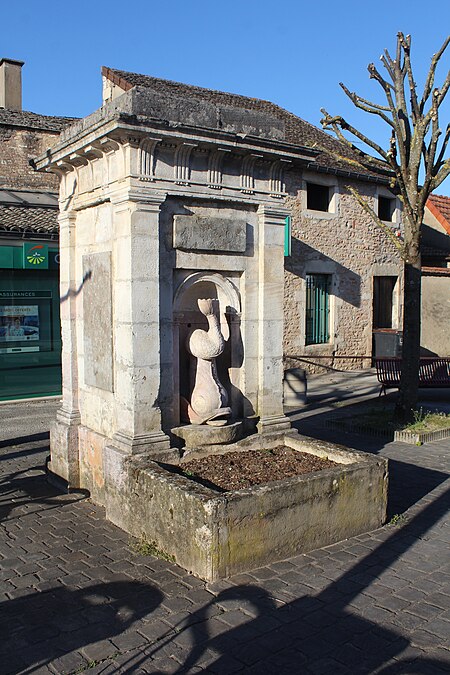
[{"x": 432, "y": 372}]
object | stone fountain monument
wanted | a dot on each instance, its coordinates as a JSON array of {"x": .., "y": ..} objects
[{"x": 172, "y": 229}]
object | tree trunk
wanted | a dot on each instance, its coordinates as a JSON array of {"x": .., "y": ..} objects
[{"x": 409, "y": 383}]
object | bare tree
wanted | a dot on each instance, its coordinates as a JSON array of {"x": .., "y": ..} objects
[{"x": 416, "y": 159}]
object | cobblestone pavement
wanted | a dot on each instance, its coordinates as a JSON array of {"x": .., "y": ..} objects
[{"x": 73, "y": 597}]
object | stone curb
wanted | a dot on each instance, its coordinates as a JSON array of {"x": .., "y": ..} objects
[{"x": 413, "y": 437}]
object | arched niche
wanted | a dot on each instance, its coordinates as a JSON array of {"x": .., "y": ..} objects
[{"x": 187, "y": 317}]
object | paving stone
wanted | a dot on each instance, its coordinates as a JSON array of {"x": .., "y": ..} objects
[
  {"x": 424, "y": 610},
  {"x": 379, "y": 600},
  {"x": 328, "y": 666},
  {"x": 99, "y": 651},
  {"x": 68, "y": 663},
  {"x": 154, "y": 630},
  {"x": 234, "y": 618}
]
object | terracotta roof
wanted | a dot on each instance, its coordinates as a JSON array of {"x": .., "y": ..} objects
[
  {"x": 28, "y": 220},
  {"x": 439, "y": 206},
  {"x": 436, "y": 271},
  {"x": 333, "y": 155},
  {"x": 29, "y": 120}
]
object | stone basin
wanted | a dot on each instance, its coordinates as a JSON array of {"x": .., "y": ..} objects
[{"x": 214, "y": 534}]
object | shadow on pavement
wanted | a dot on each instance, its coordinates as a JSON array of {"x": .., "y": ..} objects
[
  {"x": 30, "y": 487},
  {"x": 42, "y": 628},
  {"x": 321, "y": 632},
  {"x": 21, "y": 440}
]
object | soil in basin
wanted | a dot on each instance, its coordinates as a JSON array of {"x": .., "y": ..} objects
[{"x": 238, "y": 470}]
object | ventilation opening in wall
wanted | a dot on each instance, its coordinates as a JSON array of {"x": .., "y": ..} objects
[{"x": 317, "y": 197}]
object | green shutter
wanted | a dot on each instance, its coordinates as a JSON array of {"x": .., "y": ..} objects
[
  {"x": 317, "y": 308},
  {"x": 287, "y": 236}
]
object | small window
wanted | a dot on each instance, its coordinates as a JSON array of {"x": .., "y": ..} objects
[
  {"x": 317, "y": 197},
  {"x": 317, "y": 308},
  {"x": 386, "y": 208}
]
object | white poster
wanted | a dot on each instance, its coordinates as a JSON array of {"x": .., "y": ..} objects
[{"x": 19, "y": 322}]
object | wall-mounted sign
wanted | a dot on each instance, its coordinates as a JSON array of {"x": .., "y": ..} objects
[
  {"x": 10, "y": 295},
  {"x": 35, "y": 256}
]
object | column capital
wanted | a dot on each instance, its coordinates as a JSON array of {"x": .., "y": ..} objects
[
  {"x": 67, "y": 218},
  {"x": 275, "y": 214},
  {"x": 144, "y": 198}
]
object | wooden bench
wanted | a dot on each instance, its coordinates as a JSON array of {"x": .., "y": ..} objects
[{"x": 434, "y": 372}]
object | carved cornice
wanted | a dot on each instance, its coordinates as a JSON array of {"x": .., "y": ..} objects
[
  {"x": 181, "y": 163},
  {"x": 214, "y": 178},
  {"x": 276, "y": 178},
  {"x": 247, "y": 173},
  {"x": 93, "y": 152},
  {"x": 146, "y": 158},
  {"x": 78, "y": 159}
]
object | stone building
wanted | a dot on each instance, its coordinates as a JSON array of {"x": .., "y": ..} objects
[
  {"x": 343, "y": 278},
  {"x": 30, "y": 343},
  {"x": 435, "y": 336},
  {"x": 170, "y": 194}
]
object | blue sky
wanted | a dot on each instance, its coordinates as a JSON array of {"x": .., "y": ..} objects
[{"x": 293, "y": 53}]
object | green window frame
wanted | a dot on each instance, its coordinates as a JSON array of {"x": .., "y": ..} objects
[{"x": 317, "y": 308}]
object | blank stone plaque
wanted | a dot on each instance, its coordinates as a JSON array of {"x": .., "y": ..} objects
[{"x": 97, "y": 311}]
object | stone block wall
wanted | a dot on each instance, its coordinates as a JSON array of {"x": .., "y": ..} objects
[
  {"x": 18, "y": 146},
  {"x": 347, "y": 245}
]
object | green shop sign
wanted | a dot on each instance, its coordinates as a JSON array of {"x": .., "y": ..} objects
[{"x": 35, "y": 256}]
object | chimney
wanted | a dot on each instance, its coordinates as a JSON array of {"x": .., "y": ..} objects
[{"x": 11, "y": 84}]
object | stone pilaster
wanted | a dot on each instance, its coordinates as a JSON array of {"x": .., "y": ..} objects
[
  {"x": 137, "y": 324},
  {"x": 64, "y": 433},
  {"x": 270, "y": 319}
]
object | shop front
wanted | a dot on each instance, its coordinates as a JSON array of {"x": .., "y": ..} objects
[{"x": 30, "y": 337}]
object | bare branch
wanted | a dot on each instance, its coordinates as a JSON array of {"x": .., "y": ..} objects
[
  {"x": 327, "y": 121},
  {"x": 388, "y": 63},
  {"x": 444, "y": 89},
  {"x": 440, "y": 159},
  {"x": 367, "y": 106},
  {"x": 429, "y": 84},
  {"x": 375, "y": 75},
  {"x": 376, "y": 106},
  {"x": 406, "y": 43},
  {"x": 384, "y": 226},
  {"x": 403, "y": 46},
  {"x": 441, "y": 175}
]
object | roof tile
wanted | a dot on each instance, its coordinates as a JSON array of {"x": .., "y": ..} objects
[
  {"x": 439, "y": 205},
  {"x": 26, "y": 219},
  {"x": 334, "y": 154},
  {"x": 29, "y": 120}
]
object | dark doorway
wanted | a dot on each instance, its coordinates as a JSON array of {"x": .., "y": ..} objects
[{"x": 383, "y": 301}]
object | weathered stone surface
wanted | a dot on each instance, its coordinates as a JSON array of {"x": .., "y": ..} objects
[
  {"x": 97, "y": 315},
  {"x": 215, "y": 535},
  {"x": 198, "y": 435},
  {"x": 197, "y": 233}
]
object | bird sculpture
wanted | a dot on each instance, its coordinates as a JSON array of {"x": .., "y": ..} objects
[{"x": 208, "y": 404}]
